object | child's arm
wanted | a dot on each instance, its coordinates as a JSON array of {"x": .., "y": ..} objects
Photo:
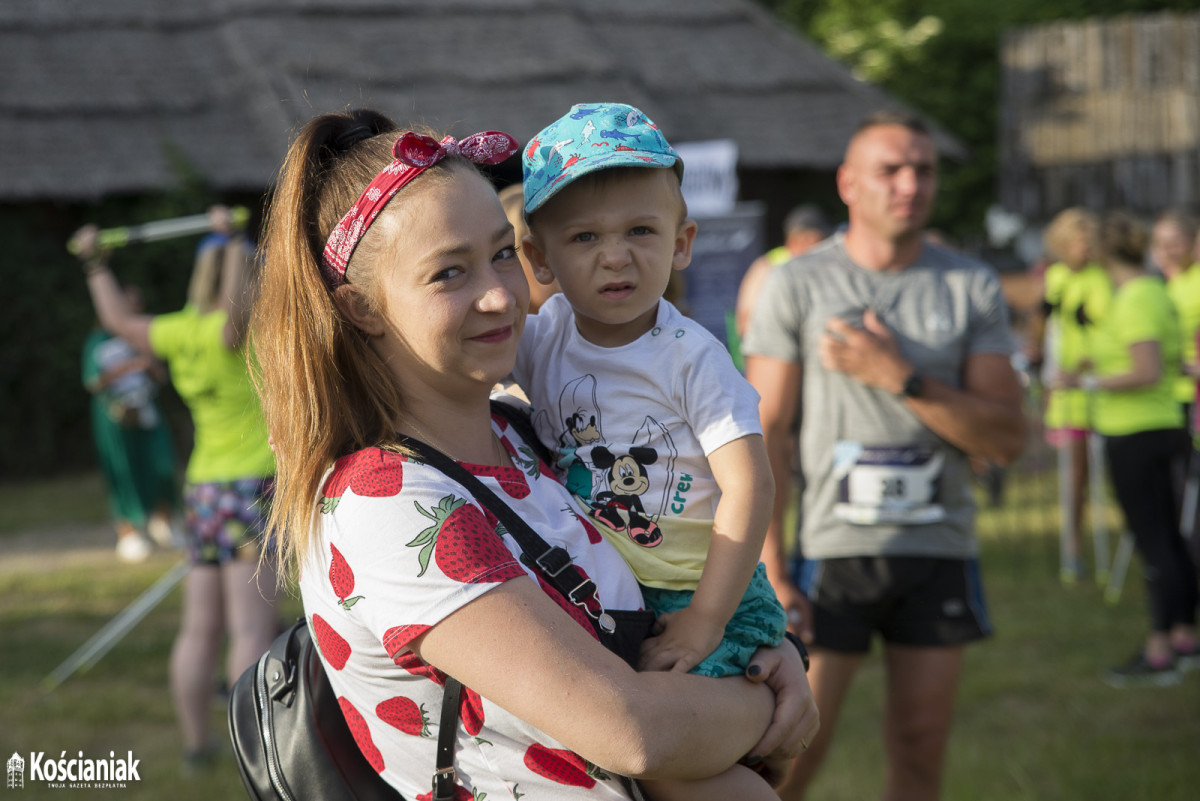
[{"x": 684, "y": 638}]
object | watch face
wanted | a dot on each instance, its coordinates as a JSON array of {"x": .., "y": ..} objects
[{"x": 914, "y": 385}]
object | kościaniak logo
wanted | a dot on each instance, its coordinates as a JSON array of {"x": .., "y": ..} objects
[
  {"x": 16, "y": 772},
  {"x": 76, "y": 772}
]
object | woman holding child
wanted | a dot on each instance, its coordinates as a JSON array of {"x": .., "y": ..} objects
[{"x": 392, "y": 301}]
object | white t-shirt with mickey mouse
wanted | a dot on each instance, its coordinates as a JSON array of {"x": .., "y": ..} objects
[
  {"x": 401, "y": 546},
  {"x": 632, "y": 427}
]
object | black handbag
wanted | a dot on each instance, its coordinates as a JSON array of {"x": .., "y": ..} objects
[
  {"x": 290, "y": 739},
  {"x": 289, "y": 736}
]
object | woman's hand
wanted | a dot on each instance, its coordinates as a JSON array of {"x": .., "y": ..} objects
[
  {"x": 1065, "y": 379},
  {"x": 796, "y": 719},
  {"x": 84, "y": 242},
  {"x": 220, "y": 219}
]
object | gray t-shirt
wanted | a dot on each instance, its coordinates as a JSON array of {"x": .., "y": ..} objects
[{"x": 878, "y": 481}]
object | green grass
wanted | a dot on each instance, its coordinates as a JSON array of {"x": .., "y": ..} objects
[
  {"x": 122, "y": 703},
  {"x": 1034, "y": 720},
  {"x": 51, "y": 503}
]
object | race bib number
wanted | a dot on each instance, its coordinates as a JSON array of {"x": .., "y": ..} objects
[{"x": 888, "y": 484}]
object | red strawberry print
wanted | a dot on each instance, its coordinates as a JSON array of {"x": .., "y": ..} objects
[
  {"x": 419, "y": 667},
  {"x": 397, "y": 638},
  {"x": 405, "y": 715},
  {"x": 563, "y": 767},
  {"x": 464, "y": 546},
  {"x": 470, "y": 710},
  {"x": 341, "y": 578},
  {"x": 362, "y": 735},
  {"x": 529, "y": 462},
  {"x": 333, "y": 646},
  {"x": 510, "y": 479},
  {"x": 371, "y": 472},
  {"x": 460, "y": 794},
  {"x": 593, "y": 534}
]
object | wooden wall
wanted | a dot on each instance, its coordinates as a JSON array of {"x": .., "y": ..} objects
[{"x": 1101, "y": 113}]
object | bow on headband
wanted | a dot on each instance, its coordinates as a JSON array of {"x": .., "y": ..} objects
[{"x": 414, "y": 153}]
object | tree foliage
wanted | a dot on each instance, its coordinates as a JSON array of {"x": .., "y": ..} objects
[{"x": 941, "y": 57}]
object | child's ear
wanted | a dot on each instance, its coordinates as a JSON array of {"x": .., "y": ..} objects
[
  {"x": 537, "y": 260},
  {"x": 353, "y": 304},
  {"x": 684, "y": 237}
]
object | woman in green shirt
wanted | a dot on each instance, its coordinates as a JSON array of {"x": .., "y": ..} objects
[
  {"x": 1134, "y": 368},
  {"x": 230, "y": 472}
]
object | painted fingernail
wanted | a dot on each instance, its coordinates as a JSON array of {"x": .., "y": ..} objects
[
  {"x": 753, "y": 760},
  {"x": 754, "y": 670}
]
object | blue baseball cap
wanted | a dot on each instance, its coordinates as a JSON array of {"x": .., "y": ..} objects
[{"x": 589, "y": 137}]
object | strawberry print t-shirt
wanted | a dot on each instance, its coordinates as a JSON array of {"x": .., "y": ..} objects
[{"x": 399, "y": 547}]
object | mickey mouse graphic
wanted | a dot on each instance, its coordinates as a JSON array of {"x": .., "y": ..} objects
[{"x": 627, "y": 482}]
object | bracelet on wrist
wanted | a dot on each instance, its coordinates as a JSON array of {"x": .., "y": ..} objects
[{"x": 796, "y": 641}]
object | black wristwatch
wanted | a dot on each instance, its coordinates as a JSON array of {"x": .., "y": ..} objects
[
  {"x": 796, "y": 641},
  {"x": 913, "y": 386}
]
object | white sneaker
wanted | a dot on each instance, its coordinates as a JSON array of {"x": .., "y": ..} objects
[
  {"x": 161, "y": 532},
  {"x": 133, "y": 548}
]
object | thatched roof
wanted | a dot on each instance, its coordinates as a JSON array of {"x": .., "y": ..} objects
[{"x": 100, "y": 97}]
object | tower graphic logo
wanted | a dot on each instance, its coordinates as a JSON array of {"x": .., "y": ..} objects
[{"x": 16, "y": 772}]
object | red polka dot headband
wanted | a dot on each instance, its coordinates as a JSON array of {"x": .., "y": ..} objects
[{"x": 414, "y": 153}]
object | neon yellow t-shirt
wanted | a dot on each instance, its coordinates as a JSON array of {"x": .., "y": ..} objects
[
  {"x": 1069, "y": 291},
  {"x": 1140, "y": 311},
  {"x": 1184, "y": 290},
  {"x": 230, "y": 431}
]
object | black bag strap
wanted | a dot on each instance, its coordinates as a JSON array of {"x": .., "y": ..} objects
[
  {"x": 443, "y": 777},
  {"x": 551, "y": 560},
  {"x": 554, "y": 563}
]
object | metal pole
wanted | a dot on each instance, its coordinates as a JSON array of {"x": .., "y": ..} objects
[
  {"x": 1068, "y": 559},
  {"x": 1099, "y": 503},
  {"x": 162, "y": 229},
  {"x": 102, "y": 642},
  {"x": 1116, "y": 579}
]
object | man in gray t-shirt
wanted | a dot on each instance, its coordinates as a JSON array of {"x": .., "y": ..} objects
[{"x": 896, "y": 355}]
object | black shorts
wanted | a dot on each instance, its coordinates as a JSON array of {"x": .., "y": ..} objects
[{"x": 909, "y": 600}]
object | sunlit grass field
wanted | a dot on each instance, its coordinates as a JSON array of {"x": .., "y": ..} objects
[{"x": 1034, "y": 720}]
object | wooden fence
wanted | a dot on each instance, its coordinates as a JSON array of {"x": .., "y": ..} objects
[{"x": 1101, "y": 113}]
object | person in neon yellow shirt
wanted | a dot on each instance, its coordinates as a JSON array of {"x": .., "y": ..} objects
[
  {"x": 1135, "y": 366},
  {"x": 230, "y": 471},
  {"x": 1170, "y": 250},
  {"x": 1076, "y": 296}
]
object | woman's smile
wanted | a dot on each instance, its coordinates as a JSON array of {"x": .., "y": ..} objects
[{"x": 496, "y": 335}]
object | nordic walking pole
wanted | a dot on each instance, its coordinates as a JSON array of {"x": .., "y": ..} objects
[
  {"x": 1097, "y": 499},
  {"x": 1116, "y": 579},
  {"x": 1067, "y": 567},
  {"x": 109, "y": 238},
  {"x": 1066, "y": 544},
  {"x": 102, "y": 642}
]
